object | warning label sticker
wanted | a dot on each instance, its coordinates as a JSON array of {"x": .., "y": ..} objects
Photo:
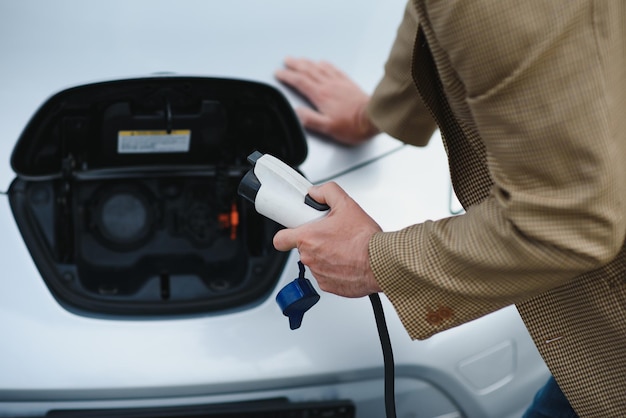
[{"x": 152, "y": 142}]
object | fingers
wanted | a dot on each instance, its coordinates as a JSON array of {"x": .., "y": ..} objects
[
  {"x": 335, "y": 248},
  {"x": 314, "y": 70},
  {"x": 285, "y": 240},
  {"x": 300, "y": 74},
  {"x": 305, "y": 75},
  {"x": 314, "y": 120},
  {"x": 339, "y": 104},
  {"x": 288, "y": 239},
  {"x": 326, "y": 69}
]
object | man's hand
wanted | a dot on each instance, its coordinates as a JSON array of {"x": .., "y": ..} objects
[
  {"x": 339, "y": 103},
  {"x": 335, "y": 248}
]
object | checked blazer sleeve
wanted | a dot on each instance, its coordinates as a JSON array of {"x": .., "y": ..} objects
[{"x": 395, "y": 106}]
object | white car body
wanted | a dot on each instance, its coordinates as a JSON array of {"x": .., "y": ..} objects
[{"x": 57, "y": 359}]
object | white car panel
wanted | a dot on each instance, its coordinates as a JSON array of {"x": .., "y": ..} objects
[{"x": 50, "y": 46}]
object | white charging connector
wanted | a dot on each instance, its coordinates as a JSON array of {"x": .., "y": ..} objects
[{"x": 279, "y": 192}]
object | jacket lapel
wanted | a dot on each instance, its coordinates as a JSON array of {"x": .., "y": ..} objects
[{"x": 466, "y": 154}]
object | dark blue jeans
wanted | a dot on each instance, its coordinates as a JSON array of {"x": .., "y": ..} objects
[{"x": 550, "y": 402}]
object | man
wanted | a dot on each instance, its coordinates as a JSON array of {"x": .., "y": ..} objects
[{"x": 530, "y": 100}]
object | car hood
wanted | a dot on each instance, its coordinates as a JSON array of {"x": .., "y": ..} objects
[{"x": 235, "y": 40}]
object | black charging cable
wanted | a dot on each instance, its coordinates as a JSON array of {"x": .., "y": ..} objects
[
  {"x": 299, "y": 296},
  {"x": 385, "y": 342}
]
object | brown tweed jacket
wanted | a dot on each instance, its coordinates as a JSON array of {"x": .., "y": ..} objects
[{"x": 530, "y": 98}]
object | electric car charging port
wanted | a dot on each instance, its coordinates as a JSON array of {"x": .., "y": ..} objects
[
  {"x": 148, "y": 245},
  {"x": 126, "y": 194}
]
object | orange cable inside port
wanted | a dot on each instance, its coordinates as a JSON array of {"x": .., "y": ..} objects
[{"x": 234, "y": 221}]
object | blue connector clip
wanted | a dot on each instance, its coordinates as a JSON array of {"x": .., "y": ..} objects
[{"x": 296, "y": 298}]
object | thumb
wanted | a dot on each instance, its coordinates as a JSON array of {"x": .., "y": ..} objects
[{"x": 330, "y": 193}]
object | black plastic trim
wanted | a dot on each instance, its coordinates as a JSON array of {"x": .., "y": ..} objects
[{"x": 275, "y": 408}]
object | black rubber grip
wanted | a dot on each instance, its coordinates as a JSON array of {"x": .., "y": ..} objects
[{"x": 315, "y": 204}]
